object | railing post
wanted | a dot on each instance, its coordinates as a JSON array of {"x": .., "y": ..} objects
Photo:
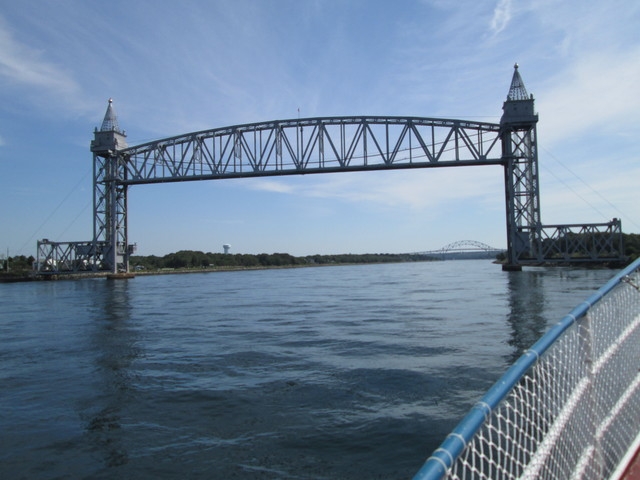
[{"x": 585, "y": 334}]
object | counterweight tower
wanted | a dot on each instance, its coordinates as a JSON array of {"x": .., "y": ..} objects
[
  {"x": 110, "y": 194},
  {"x": 520, "y": 155}
]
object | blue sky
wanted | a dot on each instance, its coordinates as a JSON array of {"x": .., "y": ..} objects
[{"x": 175, "y": 67}]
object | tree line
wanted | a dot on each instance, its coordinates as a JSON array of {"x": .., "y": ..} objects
[
  {"x": 22, "y": 264},
  {"x": 196, "y": 259},
  {"x": 19, "y": 263},
  {"x": 631, "y": 245}
]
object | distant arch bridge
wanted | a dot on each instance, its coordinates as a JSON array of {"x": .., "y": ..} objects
[{"x": 465, "y": 249}]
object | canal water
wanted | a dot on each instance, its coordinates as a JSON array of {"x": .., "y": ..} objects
[{"x": 342, "y": 372}]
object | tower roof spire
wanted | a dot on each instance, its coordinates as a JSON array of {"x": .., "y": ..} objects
[
  {"x": 110, "y": 122},
  {"x": 517, "y": 91},
  {"x": 109, "y": 138}
]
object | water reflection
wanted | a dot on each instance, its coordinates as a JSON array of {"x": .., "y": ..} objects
[
  {"x": 115, "y": 345},
  {"x": 526, "y": 310}
]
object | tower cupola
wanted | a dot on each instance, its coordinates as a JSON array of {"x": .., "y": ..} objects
[
  {"x": 109, "y": 138},
  {"x": 110, "y": 121},
  {"x": 518, "y": 108}
]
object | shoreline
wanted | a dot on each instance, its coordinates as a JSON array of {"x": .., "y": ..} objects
[
  {"x": 177, "y": 271},
  {"x": 33, "y": 277}
]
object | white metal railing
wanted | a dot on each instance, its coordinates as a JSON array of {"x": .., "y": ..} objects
[{"x": 569, "y": 408}]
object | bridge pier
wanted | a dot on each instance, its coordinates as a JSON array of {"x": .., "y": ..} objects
[
  {"x": 509, "y": 267},
  {"x": 120, "y": 276}
]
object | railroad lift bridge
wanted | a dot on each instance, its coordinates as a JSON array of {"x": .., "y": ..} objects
[{"x": 332, "y": 145}]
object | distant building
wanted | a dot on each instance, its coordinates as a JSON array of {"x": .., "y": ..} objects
[{"x": 226, "y": 247}]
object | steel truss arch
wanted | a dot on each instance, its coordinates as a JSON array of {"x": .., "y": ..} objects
[
  {"x": 313, "y": 145},
  {"x": 464, "y": 245}
]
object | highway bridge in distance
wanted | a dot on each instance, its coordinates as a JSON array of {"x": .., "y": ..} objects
[{"x": 464, "y": 250}]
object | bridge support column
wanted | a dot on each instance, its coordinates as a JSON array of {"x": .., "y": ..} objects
[
  {"x": 522, "y": 192},
  {"x": 509, "y": 267},
  {"x": 110, "y": 196}
]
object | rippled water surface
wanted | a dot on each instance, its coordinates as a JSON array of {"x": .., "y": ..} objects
[{"x": 346, "y": 372}]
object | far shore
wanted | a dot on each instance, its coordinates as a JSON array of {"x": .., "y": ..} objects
[{"x": 30, "y": 276}]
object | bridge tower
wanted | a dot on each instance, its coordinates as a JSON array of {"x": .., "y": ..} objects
[
  {"x": 110, "y": 195},
  {"x": 520, "y": 156}
]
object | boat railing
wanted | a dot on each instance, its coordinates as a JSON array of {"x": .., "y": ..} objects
[{"x": 569, "y": 407}]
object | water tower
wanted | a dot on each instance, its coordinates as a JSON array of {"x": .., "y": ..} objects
[{"x": 226, "y": 247}]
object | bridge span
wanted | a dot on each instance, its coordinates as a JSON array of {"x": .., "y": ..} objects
[
  {"x": 465, "y": 249},
  {"x": 331, "y": 145},
  {"x": 312, "y": 145}
]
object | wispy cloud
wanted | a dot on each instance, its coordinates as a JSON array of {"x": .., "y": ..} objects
[
  {"x": 598, "y": 201},
  {"x": 591, "y": 92},
  {"x": 24, "y": 66},
  {"x": 417, "y": 190},
  {"x": 501, "y": 16},
  {"x": 274, "y": 186}
]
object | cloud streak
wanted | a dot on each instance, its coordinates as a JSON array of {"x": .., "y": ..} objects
[
  {"x": 591, "y": 92},
  {"x": 501, "y": 16},
  {"x": 416, "y": 190},
  {"x": 24, "y": 66}
]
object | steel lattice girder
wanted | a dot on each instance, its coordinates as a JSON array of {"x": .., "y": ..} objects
[
  {"x": 69, "y": 257},
  {"x": 580, "y": 242},
  {"x": 110, "y": 209},
  {"x": 522, "y": 191},
  {"x": 100, "y": 199},
  {"x": 313, "y": 145},
  {"x": 525, "y": 178}
]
